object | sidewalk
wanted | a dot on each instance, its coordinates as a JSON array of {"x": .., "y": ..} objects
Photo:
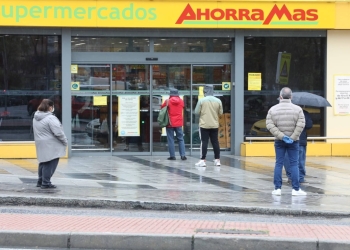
[
  {"x": 241, "y": 184},
  {"x": 104, "y": 232}
]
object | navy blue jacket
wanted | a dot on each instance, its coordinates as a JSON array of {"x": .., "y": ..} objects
[{"x": 308, "y": 125}]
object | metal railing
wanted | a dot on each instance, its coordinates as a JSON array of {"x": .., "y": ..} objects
[{"x": 310, "y": 138}]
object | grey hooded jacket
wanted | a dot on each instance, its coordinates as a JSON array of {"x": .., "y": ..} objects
[
  {"x": 209, "y": 109},
  {"x": 50, "y": 140}
]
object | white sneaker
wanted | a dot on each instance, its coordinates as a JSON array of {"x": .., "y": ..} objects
[
  {"x": 299, "y": 192},
  {"x": 201, "y": 163},
  {"x": 217, "y": 162},
  {"x": 276, "y": 192}
]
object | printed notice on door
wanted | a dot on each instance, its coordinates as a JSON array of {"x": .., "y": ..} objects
[
  {"x": 129, "y": 115},
  {"x": 342, "y": 94}
]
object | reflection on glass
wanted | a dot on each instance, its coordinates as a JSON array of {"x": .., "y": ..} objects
[
  {"x": 30, "y": 71},
  {"x": 192, "y": 44},
  {"x": 130, "y": 77},
  {"x": 306, "y": 73},
  {"x": 91, "y": 78},
  {"x": 109, "y": 44},
  {"x": 174, "y": 75},
  {"x": 90, "y": 123}
]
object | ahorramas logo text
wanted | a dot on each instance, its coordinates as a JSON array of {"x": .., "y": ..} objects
[{"x": 256, "y": 14}]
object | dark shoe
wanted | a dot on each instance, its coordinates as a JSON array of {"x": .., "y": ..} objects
[
  {"x": 38, "y": 184},
  {"x": 184, "y": 158},
  {"x": 48, "y": 186},
  {"x": 171, "y": 158}
]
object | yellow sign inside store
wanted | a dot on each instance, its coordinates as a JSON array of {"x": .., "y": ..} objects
[
  {"x": 254, "y": 81},
  {"x": 167, "y": 14},
  {"x": 100, "y": 100}
]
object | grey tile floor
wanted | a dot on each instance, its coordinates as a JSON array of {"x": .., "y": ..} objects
[{"x": 240, "y": 181}]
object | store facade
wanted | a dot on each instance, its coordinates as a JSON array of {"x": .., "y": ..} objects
[{"x": 109, "y": 66}]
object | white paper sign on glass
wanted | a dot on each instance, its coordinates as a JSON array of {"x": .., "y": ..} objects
[
  {"x": 342, "y": 94},
  {"x": 129, "y": 115}
]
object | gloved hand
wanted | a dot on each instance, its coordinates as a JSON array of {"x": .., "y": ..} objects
[{"x": 287, "y": 139}]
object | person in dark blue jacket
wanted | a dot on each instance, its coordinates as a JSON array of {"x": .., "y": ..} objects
[{"x": 302, "y": 150}]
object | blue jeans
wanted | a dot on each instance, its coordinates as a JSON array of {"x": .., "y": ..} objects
[
  {"x": 281, "y": 148},
  {"x": 180, "y": 140},
  {"x": 301, "y": 164}
]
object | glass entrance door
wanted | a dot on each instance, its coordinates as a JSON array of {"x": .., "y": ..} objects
[
  {"x": 90, "y": 98},
  {"x": 220, "y": 77}
]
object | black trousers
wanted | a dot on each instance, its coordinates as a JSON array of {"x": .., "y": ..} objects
[
  {"x": 209, "y": 133},
  {"x": 46, "y": 170}
]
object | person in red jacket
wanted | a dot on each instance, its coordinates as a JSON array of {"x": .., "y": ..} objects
[{"x": 175, "y": 111}]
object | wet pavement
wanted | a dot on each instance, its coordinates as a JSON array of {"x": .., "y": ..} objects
[{"x": 240, "y": 182}]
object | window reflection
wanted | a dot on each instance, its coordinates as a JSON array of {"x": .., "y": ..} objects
[
  {"x": 30, "y": 70},
  {"x": 192, "y": 44},
  {"x": 306, "y": 73},
  {"x": 109, "y": 44}
]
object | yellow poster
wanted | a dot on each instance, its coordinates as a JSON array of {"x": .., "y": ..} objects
[
  {"x": 75, "y": 86},
  {"x": 283, "y": 66},
  {"x": 74, "y": 69},
  {"x": 254, "y": 81},
  {"x": 200, "y": 92},
  {"x": 100, "y": 101},
  {"x": 226, "y": 85}
]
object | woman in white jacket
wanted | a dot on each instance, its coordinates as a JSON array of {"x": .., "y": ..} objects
[{"x": 50, "y": 142}]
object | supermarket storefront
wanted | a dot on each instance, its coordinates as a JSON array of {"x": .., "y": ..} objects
[{"x": 108, "y": 66}]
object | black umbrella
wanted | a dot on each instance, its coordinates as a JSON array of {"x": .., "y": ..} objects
[{"x": 309, "y": 99}]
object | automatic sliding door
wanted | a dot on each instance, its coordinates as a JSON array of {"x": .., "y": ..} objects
[
  {"x": 131, "y": 108},
  {"x": 220, "y": 77},
  {"x": 90, "y": 97},
  {"x": 164, "y": 77}
]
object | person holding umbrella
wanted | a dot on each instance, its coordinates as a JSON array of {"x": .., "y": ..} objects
[
  {"x": 311, "y": 100},
  {"x": 302, "y": 151}
]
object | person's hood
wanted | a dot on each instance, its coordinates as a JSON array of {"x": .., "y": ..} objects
[
  {"x": 39, "y": 115},
  {"x": 175, "y": 100},
  {"x": 208, "y": 90}
]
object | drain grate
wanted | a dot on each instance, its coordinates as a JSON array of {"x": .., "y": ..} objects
[{"x": 235, "y": 231}]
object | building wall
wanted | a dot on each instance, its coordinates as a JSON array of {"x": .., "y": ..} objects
[{"x": 338, "y": 53}]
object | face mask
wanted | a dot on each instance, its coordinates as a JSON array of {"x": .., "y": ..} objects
[{"x": 53, "y": 109}]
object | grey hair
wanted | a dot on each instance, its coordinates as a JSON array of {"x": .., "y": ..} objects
[{"x": 286, "y": 93}]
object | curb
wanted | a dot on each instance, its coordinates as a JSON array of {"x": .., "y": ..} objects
[
  {"x": 154, "y": 242},
  {"x": 129, "y": 205}
]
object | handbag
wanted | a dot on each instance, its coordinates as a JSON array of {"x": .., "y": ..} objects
[{"x": 163, "y": 116}]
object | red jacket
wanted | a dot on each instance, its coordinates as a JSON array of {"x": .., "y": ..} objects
[{"x": 175, "y": 109}]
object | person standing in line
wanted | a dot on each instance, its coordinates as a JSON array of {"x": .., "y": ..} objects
[
  {"x": 302, "y": 150},
  {"x": 175, "y": 111},
  {"x": 50, "y": 142},
  {"x": 286, "y": 121},
  {"x": 209, "y": 108}
]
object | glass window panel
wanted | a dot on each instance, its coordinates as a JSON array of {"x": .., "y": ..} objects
[
  {"x": 90, "y": 77},
  {"x": 165, "y": 76},
  {"x": 131, "y": 80},
  {"x": 173, "y": 75},
  {"x": 192, "y": 44},
  {"x": 306, "y": 73},
  {"x": 30, "y": 70},
  {"x": 214, "y": 75},
  {"x": 109, "y": 44}
]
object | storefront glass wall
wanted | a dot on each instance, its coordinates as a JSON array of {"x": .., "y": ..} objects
[
  {"x": 109, "y": 44},
  {"x": 30, "y": 70},
  {"x": 192, "y": 44},
  {"x": 304, "y": 71}
]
